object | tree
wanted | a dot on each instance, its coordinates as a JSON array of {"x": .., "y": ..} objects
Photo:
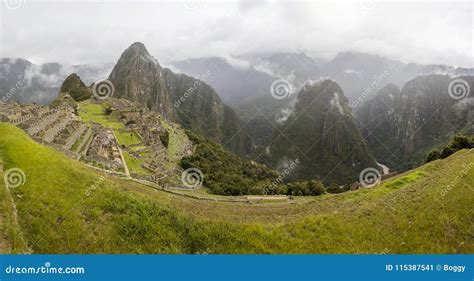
[
  {"x": 446, "y": 152},
  {"x": 434, "y": 154},
  {"x": 461, "y": 142},
  {"x": 316, "y": 187},
  {"x": 334, "y": 188}
]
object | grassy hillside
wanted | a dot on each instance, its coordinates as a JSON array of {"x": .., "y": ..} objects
[{"x": 66, "y": 207}]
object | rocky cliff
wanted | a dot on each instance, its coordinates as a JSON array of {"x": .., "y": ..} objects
[{"x": 401, "y": 126}]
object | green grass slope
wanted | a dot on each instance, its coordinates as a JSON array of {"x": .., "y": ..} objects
[{"x": 66, "y": 207}]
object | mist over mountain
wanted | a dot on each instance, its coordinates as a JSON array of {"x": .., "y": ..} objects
[
  {"x": 235, "y": 84},
  {"x": 357, "y": 73},
  {"x": 25, "y": 82}
]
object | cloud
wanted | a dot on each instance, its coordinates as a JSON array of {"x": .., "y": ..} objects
[
  {"x": 237, "y": 63},
  {"x": 77, "y": 32}
]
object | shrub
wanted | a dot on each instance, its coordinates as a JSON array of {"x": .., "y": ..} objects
[
  {"x": 80, "y": 94},
  {"x": 316, "y": 187},
  {"x": 434, "y": 154},
  {"x": 457, "y": 143},
  {"x": 334, "y": 188},
  {"x": 446, "y": 151}
]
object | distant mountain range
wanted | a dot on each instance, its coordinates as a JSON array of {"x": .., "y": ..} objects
[
  {"x": 238, "y": 80},
  {"x": 356, "y": 73},
  {"x": 25, "y": 82}
]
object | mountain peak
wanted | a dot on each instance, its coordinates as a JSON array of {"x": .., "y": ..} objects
[
  {"x": 138, "y": 47},
  {"x": 74, "y": 86},
  {"x": 137, "y": 53},
  {"x": 323, "y": 86}
]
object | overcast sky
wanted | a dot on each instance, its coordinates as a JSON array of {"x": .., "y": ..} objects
[{"x": 77, "y": 32}]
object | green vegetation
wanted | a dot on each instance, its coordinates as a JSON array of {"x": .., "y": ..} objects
[
  {"x": 66, "y": 207},
  {"x": 312, "y": 187},
  {"x": 135, "y": 164},
  {"x": 74, "y": 86},
  {"x": 404, "y": 180},
  {"x": 227, "y": 174},
  {"x": 127, "y": 138},
  {"x": 224, "y": 172},
  {"x": 457, "y": 143},
  {"x": 335, "y": 153},
  {"x": 176, "y": 140},
  {"x": 11, "y": 239},
  {"x": 80, "y": 94},
  {"x": 92, "y": 112},
  {"x": 334, "y": 188}
]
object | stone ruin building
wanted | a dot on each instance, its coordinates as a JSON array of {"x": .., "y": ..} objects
[{"x": 60, "y": 128}]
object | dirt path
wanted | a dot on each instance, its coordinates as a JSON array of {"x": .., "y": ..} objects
[{"x": 125, "y": 167}]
